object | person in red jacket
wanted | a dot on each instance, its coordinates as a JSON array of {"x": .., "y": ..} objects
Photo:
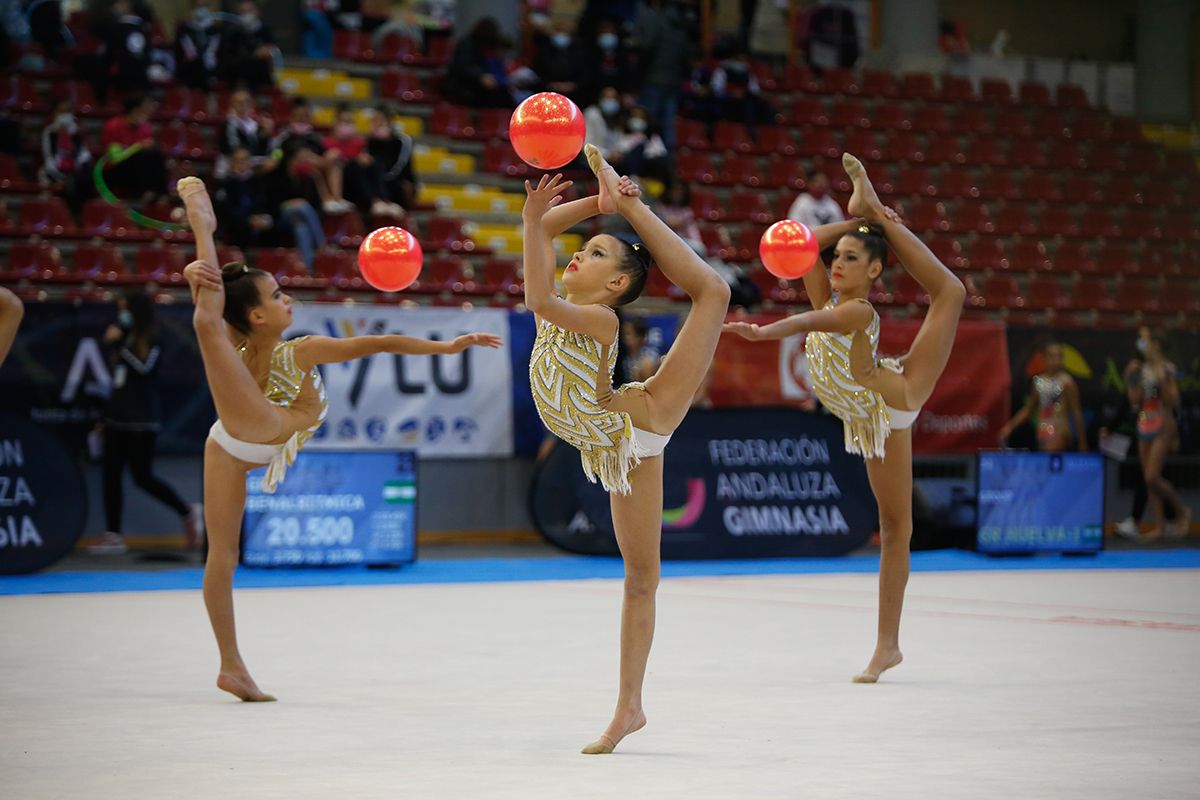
[{"x": 137, "y": 169}]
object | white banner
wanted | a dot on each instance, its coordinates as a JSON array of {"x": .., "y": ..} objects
[{"x": 446, "y": 406}]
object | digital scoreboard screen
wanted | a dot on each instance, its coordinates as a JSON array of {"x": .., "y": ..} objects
[
  {"x": 334, "y": 508},
  {"x": 1039, "y": 502}
]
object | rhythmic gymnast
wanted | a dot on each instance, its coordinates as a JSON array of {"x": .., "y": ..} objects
[
  {"x": 269, "y": 399},
  {"x": 620, "y": 435},
  {"x": 11, "y": 312},
  {"x": 877, "y": 400},
  {"x": 1055, "y": 397}
]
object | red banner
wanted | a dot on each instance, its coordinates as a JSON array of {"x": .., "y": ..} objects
[{"x": 969, "y": 406}]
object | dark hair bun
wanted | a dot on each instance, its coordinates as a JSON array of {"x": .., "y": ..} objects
[
  {"x": 232, "y": 271},
  {"x": 643, "y": 255}
]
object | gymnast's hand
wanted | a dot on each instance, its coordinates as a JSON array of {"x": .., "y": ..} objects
[
  {"x": 473, "y": 340},
  {"x": 202, "y": 275},
  {"x": 746, "y": 330}
]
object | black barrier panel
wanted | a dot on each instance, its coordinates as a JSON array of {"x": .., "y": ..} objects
[
  {"x": 43, "y": 499},
  {"x": 738, "y": 483}
]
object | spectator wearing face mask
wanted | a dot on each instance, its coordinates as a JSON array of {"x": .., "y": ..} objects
[
  {"x": 641, "y": 150},
  {"x": 364, "y": 180},
  {"x": 291, "y": 195},
  {"x": 304, "y": 157},
  {"x": 66, "y": 160},
  {"x": 392, "y": 149},
  {"x": 737, "y": 92},
  {"x": 609, "y": 63},
  {"x": 558, "y": 59},
  {"x": 243, "y": 214},
  {"x": 604, "y": 122},
  {"x": 197, "y": 45},
  {"x": 127, "y": 49},
  {"x": 814, "y": 206},
  {"x": 478, "y": 71},
  {"x": 250, "y": 49},
  {"x": 245, "y": 129}
]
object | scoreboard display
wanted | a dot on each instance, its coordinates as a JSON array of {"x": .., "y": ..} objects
[{"x": 1040, "y": 502}]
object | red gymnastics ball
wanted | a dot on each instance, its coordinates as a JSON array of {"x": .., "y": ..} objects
[
  {"x": 390, "y": 259},
  {"x": 547, "y": 130},
  {"x": 788, "y": 249}
]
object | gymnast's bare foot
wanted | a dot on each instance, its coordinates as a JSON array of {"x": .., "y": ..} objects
[
  {"x": 240, "y": 684},
  {"x": 881, "y": 662},
  {"x": 863, "y": 200},
  {"x": 623, "y": 724},
  {"x": 198, "y": 204}
]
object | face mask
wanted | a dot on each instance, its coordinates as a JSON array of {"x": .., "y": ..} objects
[
  {"x": 382, "y": 131},
  {"x": 637, "y": 125},
  {"x": 302, "y": 127},
  {"x": 560, "y": 40},
  {"x": 65, "y": 120},
  {"x": 818, "y": 191},
  {"x": 610, "y": 105},
  {"x": 607, "y": 41},
  {"x": 202, "y": 17},
  {"x": 304, "y": 170},
  {"x": 1141, "y": 346},
  {"x": 250, "y": 21},
  {"x": 125, "y": 318},
  {"x": 343, "y": 130}
]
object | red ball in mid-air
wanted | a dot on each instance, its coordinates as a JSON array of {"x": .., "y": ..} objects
[
  {"x": 390, "y": 259},
  {"x": 788, "y": 249},
  {"x": 547, "y": 130}
]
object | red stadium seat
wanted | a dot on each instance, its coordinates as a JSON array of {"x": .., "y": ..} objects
[
  {"x": 715, "y": 243},
  {"x": 765, "y": 74},
  {"x": 1049, "y": 126},
  {"x": 1029, "y": 255},
  {"x": 1013, "y": 122},
  {"x": 1043, "y": 187},
  {"x": 944, "y": 150},
  {"x": 46, "y": 217},
  {"x": 335, "y": 267},
  {"x": 1027, "y": 153},
  {"x": 1127, "y": 129},
  {"x": 775, "y": 139},
  {"x": 1140, "y": 223},
  {"x": 879, "y": 83},
  {"x": 83, "y": 99},
  {"x": 501, "y": 276},
  {"x": 782, "y": 171},
  {"x": 864, "y": 144},
  {"x": 1091, "y": 294},
  {"x": 849, "y": 114},
  {"x": 749, "y": 205},
  {"x": 971, "y": 216},
  {"x": 931, "y": 119},
  {"x": 1033, "y": 93},
  {"x": 1079, "y": 188},
  {"x": 34, "y": 260},
  {"x": 1103, "y": 157},
  {"x": 1180, "y": 226},
  {"x": 808, "y": 111},
  {"x": 972, "y": 121},
  {"x": 692, "y": 134},
  {"x": 1135, "y": 295},
  {"x": 1046, "y": 292},
  {"x": 956, "y": 89},
  {"x": 1145, "y": 159},
  {"x": 948, "y": 251},
  {"x": 439, "y": 50},
  {"x": 915, "y": 180},
  {"x": 839, "y": 81},
  {"x": 1181, "y": 163},
  {"x": 799, "y": 78},
  {"x": 492, "y": 123},
  {"x": 926, "y": 215},
  {"x": 344, "y": 230},
  {"x": 891, "y": 117},
  {"x": 904, "y": 146},
  {"x": 452, "y": 121},
  {"x": 987, "y": 150},
  {"x": 918, "y": 86},
  {"x": 18, "y": 93},
  {"x": 160, "y": 263},
  {"x": 447, "y": 233},
  {"x": 184, "y": 104},
  {"x": 987, "y": 252},
  {"x": 999, "y": 185},
  {"x": 1121, "y": 190},
  {"x": 499, "y": 157},
  {"x": 1098, "y": 223},
  {"x": 1001, "y": 291},
  {"x": 696, "y": 168},
  {"x": 745, "y": 245},
  {"x": 1056, "y": 221},
  {"x": 11, "y": 179},
  {"x": 1066, "y": 155},
  {"x": 906, "y": 290},
  {"x": 1091, "y": 128},
  {"x": 395, "y": 84},
  {"x": 112, "y": 222},
  {"x": 441, "y": 273},
  {"x": 185, "y": 141},
  {"x": 996, "y": 91},
  {"x": 1118, "y": 258},
  {"x": 396, "y": 48},
  {"x": 102, "y": 263},
  {"x": 1178, "y": 299},
  {"x": 818, "y": 142},
  {"x": 705, "y": 205},
  {"x": 349, "y": 45},
  {"x": 1069, "y": 96},
  {"x": 740, "y": 171},
  {"x": 1074, "y": 257},
  {"x": 732, "y": 136}
]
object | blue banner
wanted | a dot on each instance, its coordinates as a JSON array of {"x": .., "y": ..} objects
[{"x": 334, "y": 508}]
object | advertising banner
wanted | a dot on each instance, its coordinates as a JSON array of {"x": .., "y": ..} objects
[
  {"x": 965, "y": 413},
  {"x": 736, "y": 484},
  {"x": 334, "y": 509},
  {"x": 452, "y": 406}
]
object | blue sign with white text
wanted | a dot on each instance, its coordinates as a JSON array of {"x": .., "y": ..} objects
[
  {"x": 334, "y": 508},
  {"x": 1030, "y": 502}
]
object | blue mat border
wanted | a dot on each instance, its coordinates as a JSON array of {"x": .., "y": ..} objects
[{"x": 488, "y": 570}]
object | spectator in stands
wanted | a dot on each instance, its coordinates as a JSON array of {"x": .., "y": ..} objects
[
  {"x": 363, "y": 176},
  {"x": 609, "y": 63},
  {"x": 246, "y": 128},
  {"x": 292, "y": 194},
  {"x": 815, "y": 206},
  {"x": 46, "y": 25},
  {"x": 11, "y": 312},
  {"x": 640, "y": 150},
  {"x": 66, "y": 160},
  {"x": 558, "y": 59},
  {"x": 392, "y": 149},
  {"x": 139, "y": 168},
  {"x": 952, "y": 38},
  {"x": 243, "y": 209},
  {"x": 478, "y": 72},
  {"x": 832, "y": 38},
  {"x": 641, "y": 359},
  {"x": 197, "y": 45},
  {"x": 317, "y": 40},
  {"x": 676, "y": 211},
  {"x": 303, "y": 154},
  {"x": 665, "y": 32},
  {"x": 737, "y": 92},
  {"x": 770, "y": 31},
  {"x": 133, "y": 420},
  {"x": 127, "y": 49},
  {"x": 604, "y": 122},
  {"x": 250, "y": 57}
]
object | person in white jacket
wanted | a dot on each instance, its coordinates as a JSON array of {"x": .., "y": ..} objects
[{"x": 815, "y": 206}]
